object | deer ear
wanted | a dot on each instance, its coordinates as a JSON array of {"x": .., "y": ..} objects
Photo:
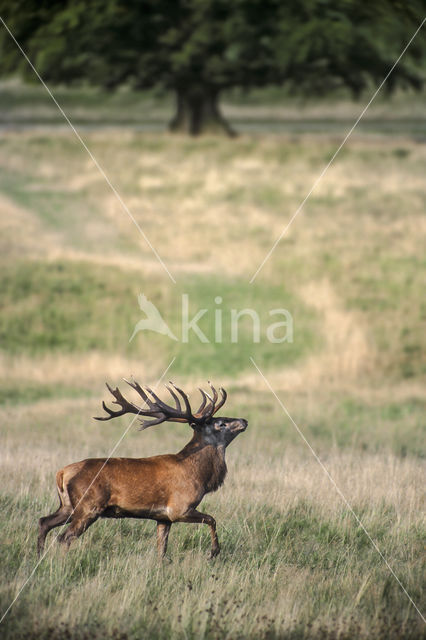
[{"x": 194, "y": 426}]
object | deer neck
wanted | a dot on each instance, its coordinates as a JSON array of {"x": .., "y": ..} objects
[{"x": 205, "y": 461}]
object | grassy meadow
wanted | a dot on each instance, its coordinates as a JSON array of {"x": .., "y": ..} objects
[{"x": 295, "y": 564}]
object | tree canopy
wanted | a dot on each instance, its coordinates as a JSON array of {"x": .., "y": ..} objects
[{"x": 199, "y": 48}]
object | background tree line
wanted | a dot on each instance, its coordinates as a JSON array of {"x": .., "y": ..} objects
[{"x": 198, "y": 49}]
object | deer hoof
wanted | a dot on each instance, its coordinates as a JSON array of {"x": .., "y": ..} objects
[{"x": 213, "y": 553}]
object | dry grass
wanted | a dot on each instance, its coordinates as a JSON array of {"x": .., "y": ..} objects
[
  {"x": 294, "y": 564},
  {"x": 292, "y": 553},
  {"x": 280, "y": 522}
]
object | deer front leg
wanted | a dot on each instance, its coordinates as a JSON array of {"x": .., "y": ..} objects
[
  {"x": 163, "y": 530},
  {"x": 197, "y": 517}
]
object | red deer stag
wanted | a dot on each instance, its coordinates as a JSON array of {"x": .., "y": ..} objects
[{"x": 165, "y": 488}]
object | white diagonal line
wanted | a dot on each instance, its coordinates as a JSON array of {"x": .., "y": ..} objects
[
  {"x": 98, "y": 166},
  {"x": 67, "y": 520},
  {"x": 324, "y": 468},
  {"x": 324, "y": 171}
]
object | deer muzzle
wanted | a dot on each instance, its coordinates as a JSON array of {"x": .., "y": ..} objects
[{"x": 240, "y": 425}]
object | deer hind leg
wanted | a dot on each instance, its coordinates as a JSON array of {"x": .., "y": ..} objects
[
  {"x": 197, "y": 517},
  {"x": 81, "y": 521},
  {"x": 49, "y": 522},
  {"x": 163, "y": 530},
  {"x": 55, "y": 519},
  {"x": 88, "y": 504}
]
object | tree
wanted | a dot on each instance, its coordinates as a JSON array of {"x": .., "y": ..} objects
[{"x": 200, "y": 48}]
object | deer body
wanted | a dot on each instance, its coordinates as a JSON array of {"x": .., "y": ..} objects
[{"x": 165, "y": 488}]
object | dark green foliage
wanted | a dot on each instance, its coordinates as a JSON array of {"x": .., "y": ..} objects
[{"x": 198, "y": 49}]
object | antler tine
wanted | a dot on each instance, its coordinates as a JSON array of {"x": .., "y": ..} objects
[
  {"x": 175, "y": 398},
  {"x": 159, "y": 408},
  {"x": 215, "y": 396},
  {"x": 199, "y": 411},
  {"x": 189, "y": 414},
  {"x": 211, "y": 410},
  {"x": 136, "y": 386},
  {"x": 221, "y": 401},
  {"x": 112, "y": 414},
  {"x": 206, "y": 412},
  {"x": 126, "y": 406},
  {"x": 150, "y": 423},
  {"x": 160, "y": 404}
]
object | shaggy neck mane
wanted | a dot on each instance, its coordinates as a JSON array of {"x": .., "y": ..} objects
[{"x": 205, "y": 461}]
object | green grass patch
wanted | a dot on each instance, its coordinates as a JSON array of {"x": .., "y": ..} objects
[
  {"x": 27, "y": 393},
  {"x": 78, "y": 307},
  {"x": 221, "y": 354},
  {"x": 64, "y": 307}
]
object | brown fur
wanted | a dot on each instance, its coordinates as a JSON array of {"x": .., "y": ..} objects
[{"x": 165, "y": 488}]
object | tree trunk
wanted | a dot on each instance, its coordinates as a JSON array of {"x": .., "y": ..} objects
[{"x": 197, "y": 112}]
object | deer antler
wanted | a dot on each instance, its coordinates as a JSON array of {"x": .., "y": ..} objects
[{"x": 159, "y": 411}]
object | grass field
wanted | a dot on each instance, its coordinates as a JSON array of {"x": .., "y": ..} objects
[{"x": 295, "y": 563}]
